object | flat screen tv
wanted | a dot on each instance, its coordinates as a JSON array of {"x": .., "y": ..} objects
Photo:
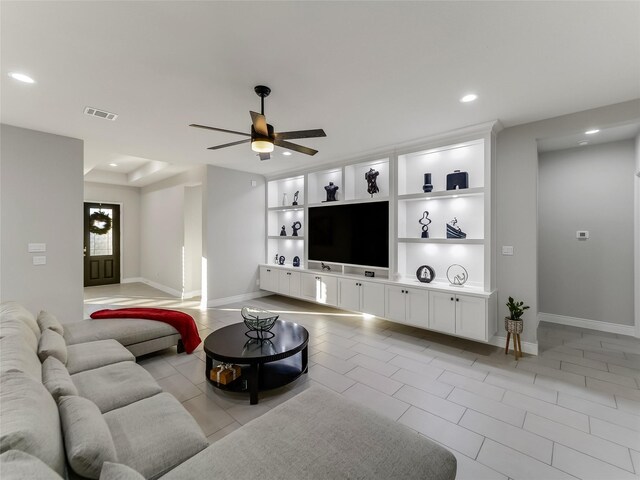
[{"x": 356, "y": 234}]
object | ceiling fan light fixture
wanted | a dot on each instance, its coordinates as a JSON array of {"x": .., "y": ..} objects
[{"x": 260, "y": 145}]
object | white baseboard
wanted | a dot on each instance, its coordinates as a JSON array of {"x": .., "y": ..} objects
[
  {"x": 527, "y": 347},
  {"x": 586, "y": 323},
  {"x": 164, "y": 288},
  {"x": 237, "y": 298},
  {"x": 132, "y": 280},
  {"x": 191, "y": 294}
]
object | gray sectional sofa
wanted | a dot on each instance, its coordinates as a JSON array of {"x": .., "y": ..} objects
[{"x": 87, "y": 410}]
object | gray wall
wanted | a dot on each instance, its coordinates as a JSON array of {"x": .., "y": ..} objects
[
  {"x": 41, "y": 201},
  {"x": 234, "y": 232},
  {"x": 587, "y": 188},
  {"x": 129, "y": 198},
  {"x": 192, "y": 240},
  {"x": 516, "y": 196}
]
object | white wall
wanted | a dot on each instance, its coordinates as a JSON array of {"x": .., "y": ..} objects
[
  {"x": 129, "y": 198},
  {"x": 636, "y": 247},
  {"x": 41, "y": 197},
  {"x": 587, "y": 188},
  {"x": 162, "y": 227},
  {"x": 234, "y": 232},
  {"x": 516, "y": 195},
  {"x": 192, "y": 240}
]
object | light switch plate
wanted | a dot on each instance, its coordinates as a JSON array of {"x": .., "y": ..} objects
[
  {"x": 39, "y": 260},
  {"x": 507, "y": 250},
  {"x": 582, "y": 234},
  {"x": 254, "y": 183},
  {"x": 36, "y": 247}
]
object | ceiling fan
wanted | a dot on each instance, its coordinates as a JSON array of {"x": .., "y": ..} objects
[{"x": 263, "y": 137}]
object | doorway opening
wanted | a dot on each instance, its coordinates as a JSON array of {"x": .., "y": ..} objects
[{"x": 101, "y": 244}]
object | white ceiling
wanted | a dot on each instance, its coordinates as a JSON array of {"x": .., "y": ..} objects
[
  {"x": 372, "y": 74},
  {"x": 605, "y": 135}
]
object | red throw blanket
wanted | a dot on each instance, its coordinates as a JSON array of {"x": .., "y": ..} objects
[{"x": 182, "y": 322}]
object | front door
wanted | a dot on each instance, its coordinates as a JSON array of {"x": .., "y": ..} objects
[{"x": 101, "y": 244}]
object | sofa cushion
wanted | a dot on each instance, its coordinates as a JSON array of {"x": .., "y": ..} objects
[
  {"x": 56, "y": 378},
  {"x": 52, "y": 344},
  {"x": 318, "y": 435},
  {"x": 86, "y": 356},
  {"x": 16, "y": 355},
  {"x": 15, "y": 310},
  {"x": 176, "y": 437},
  {"x": 117, "y": 471},
  {"x": 29, "y": 420},
  {"x": 116, "y": 385},
  {"x": 17, "y": 465},
  {"x": 13, "y": 326},
  {"x": 127, "y": 331},
  {"x": 86, "y": 436},
  {"x": 48, "y": 321}
]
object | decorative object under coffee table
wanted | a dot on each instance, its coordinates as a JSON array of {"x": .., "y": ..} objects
[{"x": 266, "y": 363}]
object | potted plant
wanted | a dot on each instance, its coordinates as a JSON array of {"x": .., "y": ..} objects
[{"x": 513, "y": 323}]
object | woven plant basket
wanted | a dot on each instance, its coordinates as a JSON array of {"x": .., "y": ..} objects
[{"x": 513, "y": 326}]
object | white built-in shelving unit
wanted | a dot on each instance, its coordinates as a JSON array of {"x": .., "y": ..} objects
[{"x": 394, "y": 292}]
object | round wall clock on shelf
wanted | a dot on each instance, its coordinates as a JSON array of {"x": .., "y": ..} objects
[
  {"x": 457, "y": 275},
  {"x": 425, "y": 274}
]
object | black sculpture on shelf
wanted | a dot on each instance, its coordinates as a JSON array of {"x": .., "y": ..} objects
[
  {"x": 427, "y": 187},
  {"x": 425, "y": 274},
  {"x": 372, "y": 186},
  {"x": 296, "y": 226},
  {"x": 331, "y": 192},
  {"x": 283, "y": 232},
  {"x": 275, "y": 260},
  {"x": 325, "y": 267},
  {"x": 454, "y": 231},
  {"x": 457, "y": 180},
  {"x": 295, "y": 198},
  {"x": 425, "y": 221},
  {"x": 281, "y": 260},
  {"x": 296, "y": 261}
]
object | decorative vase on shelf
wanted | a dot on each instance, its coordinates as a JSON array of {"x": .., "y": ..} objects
[
  {"x": 285, "y": 200},
  {"x": 427, "y": 187},
  {"x": 457, "y": 180}
]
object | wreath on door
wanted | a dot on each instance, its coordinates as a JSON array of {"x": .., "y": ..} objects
[{"x": 99, "y": 223}]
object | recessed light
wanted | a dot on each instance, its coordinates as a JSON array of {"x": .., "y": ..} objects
[
  {"x": 591, "y": 132},
  {"x": 113, "y": 164},
  {"x": 469, "y": 98},
  {"x": 286, "y": 153},
  {"x": 583, "y": 143},
  {"x": 21, "y": 77}
]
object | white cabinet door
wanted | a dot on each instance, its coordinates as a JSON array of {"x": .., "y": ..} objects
[
  {"x": 442, "y": 312},
  {"x": 372, "y": 298},
  {"x": 284, "y": 278},
  {"x": 349, "y": 294},
  {"x": 327, "y": 290},
  {"x": 471, "y": 318},
  {"x": 417, "y": 307},
  {"x": 308, "y": 286},
  {"x": 395, "y": 305},
  {"x": 294, "y": 284},
  {"x": 269, "y": 279}
]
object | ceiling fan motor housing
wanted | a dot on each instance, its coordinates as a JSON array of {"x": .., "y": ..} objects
[{"x": 255, "y": 136}]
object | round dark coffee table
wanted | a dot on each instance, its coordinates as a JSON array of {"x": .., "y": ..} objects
[{"x": 266, "y": 364}]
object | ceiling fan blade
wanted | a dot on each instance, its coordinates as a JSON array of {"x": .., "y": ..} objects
[
  {"x": 264, "y": 156},
  {"x": 300, "y": 134},
  {"x": 229, "y": 144},
  {"x": 259, "y": 124},
  {"x": 294, "y": 147},
  {"x": 219, "y": 129}
]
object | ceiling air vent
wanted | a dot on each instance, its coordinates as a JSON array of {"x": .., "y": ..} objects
[{"x": 94, "y": 112}]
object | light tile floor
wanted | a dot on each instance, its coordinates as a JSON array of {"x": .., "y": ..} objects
[{"x": 572, "y": 412}]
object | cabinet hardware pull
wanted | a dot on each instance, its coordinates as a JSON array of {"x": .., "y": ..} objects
[
  {"x": 452, "y": 299},
  {"x": 457, "y": 299}
]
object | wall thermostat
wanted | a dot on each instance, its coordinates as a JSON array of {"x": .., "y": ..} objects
[{"x": 582, "y": 234}]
